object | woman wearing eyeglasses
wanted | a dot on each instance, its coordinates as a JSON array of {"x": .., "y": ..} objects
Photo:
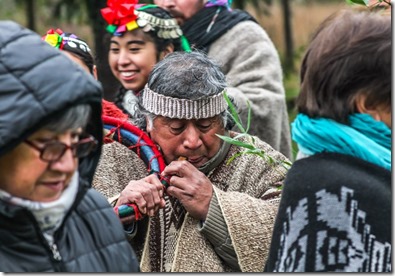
[{"x": 51, "y": 220}]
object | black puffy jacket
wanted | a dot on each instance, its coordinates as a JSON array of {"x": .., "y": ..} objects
[{"x": 36, "y": 81}]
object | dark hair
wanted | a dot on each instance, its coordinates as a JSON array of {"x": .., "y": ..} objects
[
  {"x": 79, "y": 48},
  {"x": 349, "y": 55}
]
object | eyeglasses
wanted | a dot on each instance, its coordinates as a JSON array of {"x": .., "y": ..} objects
[{"x": 54, "y": 150}]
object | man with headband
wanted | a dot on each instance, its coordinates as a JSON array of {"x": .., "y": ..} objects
[
  {"x": 213, "y": 216},
  {"x": 247, "y": 57}
]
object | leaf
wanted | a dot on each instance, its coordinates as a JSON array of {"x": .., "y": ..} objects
[
  {"x": 235, "y": 142},
  {"x": 233, "y": 157},
  {"x": 240, "y": 135},
  {"x": 249, "y": 116},
  {"x": 359, "y": 2},
  {"x": 234, "y": 113}
]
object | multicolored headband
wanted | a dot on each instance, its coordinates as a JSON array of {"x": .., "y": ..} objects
[
  {"x": 183, "y": 108},
  {"x": 58, "y": 39},
  {"x": 223, "y": 3},
  {"x": 127, "y": 15}
]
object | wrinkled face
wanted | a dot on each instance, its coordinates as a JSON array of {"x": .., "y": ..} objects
[
  {"x": 193, "y": 139},
  {"x": 181, "y": 10},
  {"x": 131, "y": 59},
  {"x": 23, "y": 174}
]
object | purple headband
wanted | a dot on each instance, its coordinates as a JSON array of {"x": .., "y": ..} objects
[{"x": 224, "y": 3}]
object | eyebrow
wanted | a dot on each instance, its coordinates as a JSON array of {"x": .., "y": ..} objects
[{"x": 140, "y": 42}]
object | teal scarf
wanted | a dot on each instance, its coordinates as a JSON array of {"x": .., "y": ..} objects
[{"x": 365, "y": 138}]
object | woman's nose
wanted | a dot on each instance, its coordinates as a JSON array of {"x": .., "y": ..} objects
[
  {"x": 123, "y": 58},
  {"x": 67, "y": 163}
]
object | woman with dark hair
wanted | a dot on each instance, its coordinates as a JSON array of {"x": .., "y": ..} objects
[
  {"x": 74, "y": 47},
  {"x": 141, "y": 35},
  {"x": 335, "y": 210}
]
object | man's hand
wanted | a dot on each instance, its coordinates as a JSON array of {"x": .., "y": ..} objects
[
  {"x": 146, "y": 193},
  {"x": 190, "y": 186}
]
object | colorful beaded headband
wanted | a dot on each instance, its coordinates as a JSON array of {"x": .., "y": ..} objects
[
  {"x": 224, "y": 3},
  {"x": 58, "y": 40},
  {"x": 122, "y": 16},
  {"x": 183, "y": 108}
]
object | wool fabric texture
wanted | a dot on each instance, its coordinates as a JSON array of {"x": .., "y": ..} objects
[
  {"x": 364, "y": 138},
  {"x": 173, "y": 241},
  {"x": 170, "y": 107},
  {"x": 334, "y": 216}
]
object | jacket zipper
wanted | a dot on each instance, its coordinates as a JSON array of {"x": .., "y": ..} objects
[
  {"x": 55, "y": 252},
  {"x": 53, "y": 248}
]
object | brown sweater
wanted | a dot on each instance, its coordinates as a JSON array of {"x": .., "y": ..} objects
[{"x": 176, "y": 241}]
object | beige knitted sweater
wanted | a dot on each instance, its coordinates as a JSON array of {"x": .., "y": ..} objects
[
  {"x": 240, "y": 188},
  {"x": 253, "y": 71}
]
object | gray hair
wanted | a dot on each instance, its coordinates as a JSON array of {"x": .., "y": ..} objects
[
  {"x": 74, "y": 117},
  {"x": 185, "y": 75}
]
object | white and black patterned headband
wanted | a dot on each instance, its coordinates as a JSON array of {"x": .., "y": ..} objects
[{"x": 170, "y": 107}]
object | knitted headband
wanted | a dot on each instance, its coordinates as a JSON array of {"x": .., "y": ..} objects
[{"x": 183, "y": 108}]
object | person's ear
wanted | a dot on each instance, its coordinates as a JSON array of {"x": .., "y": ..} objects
[
  {"x": 362, "y": 107},
  {"x": 169, "y": 49},
  {"x": 94, "y": 71}
]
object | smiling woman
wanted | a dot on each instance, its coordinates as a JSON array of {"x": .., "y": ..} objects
[
  {"x": 141, "y": 35},
  {"x": 41, "y": 168}
]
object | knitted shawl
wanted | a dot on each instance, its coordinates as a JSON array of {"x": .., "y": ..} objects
[{"x": 245, "y": 189}]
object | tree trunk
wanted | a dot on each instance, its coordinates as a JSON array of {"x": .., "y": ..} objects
[
  {"x": 289, "y": 61},
  {"x": 31, "y": 22},
  {"x": 102, "y": 37}
]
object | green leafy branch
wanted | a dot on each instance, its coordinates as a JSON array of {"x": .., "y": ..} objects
[
  {"x": 373, "y": 5},
  {"x": 249, "y": 146}
]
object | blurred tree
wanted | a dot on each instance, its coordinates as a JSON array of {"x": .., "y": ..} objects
[
  {"x": 30, "y": 12},
  {"x": 289, "y": 46},
  {"x": 101, "y": 38}
]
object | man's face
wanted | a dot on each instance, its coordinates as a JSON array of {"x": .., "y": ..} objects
[
  {"x": 181, "y": 10},
  {"x": 195, "y": 140}
]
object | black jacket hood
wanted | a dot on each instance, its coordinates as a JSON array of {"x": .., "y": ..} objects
[{"x": 38, "y": 81}]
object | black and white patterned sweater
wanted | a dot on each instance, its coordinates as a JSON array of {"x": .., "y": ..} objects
[{"x": 334, "y": 215}]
